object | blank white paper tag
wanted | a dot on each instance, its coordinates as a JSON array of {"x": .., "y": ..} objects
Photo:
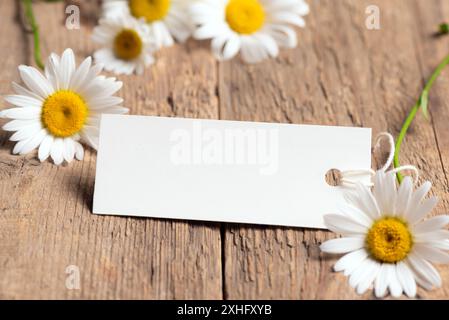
[{"x": 230, "y": 171}]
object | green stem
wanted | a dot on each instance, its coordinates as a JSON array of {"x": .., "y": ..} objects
[
  {"x": 421, "y": 103},
  {"x": 35, "y": 29}
]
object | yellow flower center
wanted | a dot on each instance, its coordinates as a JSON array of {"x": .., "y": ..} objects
[
  {"x": 64, "y": 113},
  {"x": 151, "y": 10},
  {"x": 389, "y": 240},
  {"x": 127, "y": 44},
  {"x": 245, "y": 16}
]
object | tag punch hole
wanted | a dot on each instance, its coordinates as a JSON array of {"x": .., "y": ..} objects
[
  {"x": 349, "y": 178},
  {"x": 333, "y": 177}
]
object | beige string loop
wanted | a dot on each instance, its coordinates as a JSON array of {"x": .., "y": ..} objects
[{"x": 350, "y": 178}]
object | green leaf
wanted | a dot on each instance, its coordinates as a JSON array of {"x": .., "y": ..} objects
[
  {"x": 424, "y": 101},
  {"x": 443, "y": 28}
]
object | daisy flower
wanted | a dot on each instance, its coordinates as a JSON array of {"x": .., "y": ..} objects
[
  {"x": 386, "y": 241},
  {"x": 58, "y": 110},
  {"x": 256, "y": 28},
  {"x": 127, "y": 43},
  {"x": 167, "y": 19}
]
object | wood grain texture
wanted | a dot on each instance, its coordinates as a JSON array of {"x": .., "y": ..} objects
[
  {"x": 341, "y": 73},
  {"x": 46, "y": 222}
]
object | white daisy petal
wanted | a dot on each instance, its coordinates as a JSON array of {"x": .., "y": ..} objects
[
  {"x": 350, "y": 261},
  {"x": 406, "y": 279},
  {"x": 23, "y": 101},
  {"x": 94, "y": 120},
  {"x": 269, "y": 44},
  {"x": 355, "y": 214},
  {"x": 370, "y": 274},
  {"x": 16, "y": 125},
  {"x": 52, "y": 69},
  {"x": 21, "y": 91},
  {"x": 302, "y": 8},
  {"x": 208, "y": 31},
  {"x": 140, "y": 69},
  {"x": 431, "y": 254},
  {"x": 420, "y": 280},
  {"x": 112, "y": 110},
  {"x": 362, "y": 276},
  {"x": 252, "y": 51},
  {"x": 21, "y": 113},
  {"x": 105, "y": 31},
  {"x": 431, "y": 224},
  {"x": 91, "y": 75},
  {"x": 415, "y": 214},
  {"x": 90, "y": 136},
  {"x": 419, "y": 194},
  {"x": 424, "y": 269},
  {"x": 33, "y": 142},
  {"x": 357, "y": 274},
  {"x": 283, "y": 35},
  {"x": 343, "y": 225},
  {"x": 404, "y": 195},
  {"x": 66, "y": 68},
  {"x": 80, "y": 74},
  {"x": 104, "y": 102},
  {"x": 390, "y": 193},
  {"x": 393, "y": 285},
  {"x": 35, "y": 81},
  {"x": 431, "y": 236},
  {"x": 382, "y": 281},
  {"x": 379, "y": 188},
  {"x": 69, "y": 150},
  {"x": 439, "y": 244},
  {"x": 342, "y": 245},
  {"x": 363, "y": 199},
  {"x": 290, "y": 18},
  {"x": 217, "y": 45},
  {"x": 26, "y": 132},
  {"x": 45, "y": 148},
  {"x": 57, "y": 150},
  {"x": 178, "y": 22},
  {"x": 101, "y": 88},
  {"x": 106, "y": 56},
  {"x": 161, "y": 34},
  {"x": 231, "y": 48},
  {"x": 79, "y": 151},
  {"x": 19, "y": 145}
]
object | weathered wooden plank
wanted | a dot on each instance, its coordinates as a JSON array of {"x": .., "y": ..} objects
[
  {"x": 340, "y": 74},
  {"x": 431, "y": 50},
  {"x": 46, "y": 222}
]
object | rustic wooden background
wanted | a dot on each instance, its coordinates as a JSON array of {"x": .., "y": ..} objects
[{"x": 341, "y": 73}]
